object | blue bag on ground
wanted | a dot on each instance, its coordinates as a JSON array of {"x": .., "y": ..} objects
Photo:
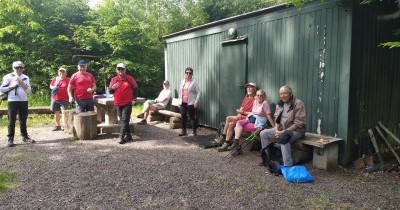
[{"x": 296, "y": 174}]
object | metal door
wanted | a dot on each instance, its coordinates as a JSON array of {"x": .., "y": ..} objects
[{"x": 232, "y": 77}]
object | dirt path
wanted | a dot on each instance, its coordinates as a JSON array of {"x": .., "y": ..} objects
[{"x": 160, "y": 171}]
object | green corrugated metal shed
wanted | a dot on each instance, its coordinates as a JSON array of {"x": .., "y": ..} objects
[{"x": 309, "y": 49}]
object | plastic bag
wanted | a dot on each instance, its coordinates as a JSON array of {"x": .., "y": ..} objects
[{"x": 296, "y": 174}]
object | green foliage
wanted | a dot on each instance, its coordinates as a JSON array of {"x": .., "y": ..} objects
[{"x": 7, "y": 180}]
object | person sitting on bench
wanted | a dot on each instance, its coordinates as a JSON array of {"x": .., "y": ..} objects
[
  {"x": 242, "y": 112},
  {"x": 159, "y": 103},
  {"x": 254, "y": 122},
  {"x": 290, "y": 120}
]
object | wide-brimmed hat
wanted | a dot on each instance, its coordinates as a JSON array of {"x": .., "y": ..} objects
[{"x": 251, "y": 84}]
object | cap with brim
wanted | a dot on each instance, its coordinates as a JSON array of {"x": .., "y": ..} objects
[
  {"x": 251, "y": 84},
  {"x": 62, "y": 69},
  {"x": 121, "y": 65},
  {"x": 18, "y": 64},
  {"x": 82, "y": 63}
]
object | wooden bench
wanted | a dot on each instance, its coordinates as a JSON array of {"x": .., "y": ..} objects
[
  {"x": 325, "y": 150},
  {"x": 321, "y": 149},
  {"x": 169, "y": 114}
]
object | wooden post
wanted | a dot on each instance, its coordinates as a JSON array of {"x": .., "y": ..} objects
[
  {"x": 85, "y": 125},
  {"x": 388, "y": 144},
  {"x": 373, "y": 140},
  {"x": 68, "y": 120}
]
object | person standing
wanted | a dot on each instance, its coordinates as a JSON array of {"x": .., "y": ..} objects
[
  {"x": 189, "y": 92},
  {"x": 59, "y": 96},
  {"x": 125, "y": 91},
  {"x": 81, "y": 87},
  {"x": 17, "y": 86},
  {"x": 158, "y": 103},
  {"x": 290, "y": 120}
]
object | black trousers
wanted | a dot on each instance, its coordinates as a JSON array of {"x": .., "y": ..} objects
[
  {"x": 185, "y": 110},
  {"x": 124, "y": 114},
  {"x": 20, "y": 108}
]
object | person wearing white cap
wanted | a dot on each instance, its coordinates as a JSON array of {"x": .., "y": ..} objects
[
  {"x": 125, "y": 91},
  {"x": 81, "y": 87},
  {"x": 17, "y": 86},
  {"x": 59, "y": 96},
  {"x": 241, "y": 113}
]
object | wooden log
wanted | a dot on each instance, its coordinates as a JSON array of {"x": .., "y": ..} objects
[
  {"x": 155, "y": 116},
  {"x": 175, "y": 125},
  {"x": 85, "y": 125},
  {"x": 174, "y": 119},
  {"x": 67, "y": 120},
  {"x": 373, "y": 140}
]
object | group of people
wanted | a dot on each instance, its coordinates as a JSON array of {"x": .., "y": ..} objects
[
  {"x": 79, "y": 88},
  {"x": 254, "y": 116}
]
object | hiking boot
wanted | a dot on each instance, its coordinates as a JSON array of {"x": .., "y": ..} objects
[
  {"x": 141, "y": 115},
  {"x": 234, "y": 145},
  {"x": 183, "y": 133},
  {"x": 27, "y": 140},
  {"x": 142, "y": 122},
  {"x": 224, "y": 147},
  {"x": 56, "y": 128},
  {"x": 128, "y": 139},
  {"x": 10, "y": 142},
  {"x": 238, "y": 151},
  {"x": 121, "y": 141}
]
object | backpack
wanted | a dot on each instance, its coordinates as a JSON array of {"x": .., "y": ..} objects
[
  {"x": 272, "y": 157},
  {"x": 218, "y": 137}
]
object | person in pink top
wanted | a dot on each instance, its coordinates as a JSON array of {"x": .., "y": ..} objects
[
  {"x": 242, "y": 112},
  {"x": 254, "y": 122},
  {"x": 59, "y": 96},
  {"x": 189, "y": 92},
  {"x": 82, "y": 85}
]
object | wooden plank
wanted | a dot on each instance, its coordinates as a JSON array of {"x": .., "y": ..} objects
[
  {"x": 387, "y": 143},
  {"x": 31, "y": 110},
  {"x": 170, "y": 113},
  {"x": 388, "y": 132},
  {"x": 373, "y": 140},
  {"x": 320, "y": 141}
]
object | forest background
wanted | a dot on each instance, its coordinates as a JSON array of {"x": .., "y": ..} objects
[{"x": 46, "y": 35}]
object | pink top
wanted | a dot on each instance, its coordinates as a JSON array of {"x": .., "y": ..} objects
[
  {"x": 185, "y": 92},
  {"x": 261, "y": 109}
]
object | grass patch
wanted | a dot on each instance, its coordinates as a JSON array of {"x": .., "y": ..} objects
[{"x": 7, "y": 180}]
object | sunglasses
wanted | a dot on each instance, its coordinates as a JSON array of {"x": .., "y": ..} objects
[
  {"x": 260, "y": 95},
  {"x": 188, "y": 72},
  {"x": 119, "y": 68},
  {"x": 19, "y": 67}
]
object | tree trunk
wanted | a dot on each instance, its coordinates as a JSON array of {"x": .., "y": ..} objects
[{"x": 85, "y": 125}]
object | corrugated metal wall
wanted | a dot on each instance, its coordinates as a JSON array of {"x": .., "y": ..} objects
[
  {"x": 299, "y": 47},
  {"x": 375, "y": 77}
]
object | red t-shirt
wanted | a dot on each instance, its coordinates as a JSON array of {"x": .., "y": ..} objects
[
  {"x": 247, "y": 103},
  {"x": 62, "y": 90},
  {"x": 80, "y": 82},
  {"x": 123, "y": 95}
]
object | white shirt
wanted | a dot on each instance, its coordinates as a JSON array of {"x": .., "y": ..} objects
[
  {"x": 163, "y": 97},
  {"x": 17, "y": 94}
]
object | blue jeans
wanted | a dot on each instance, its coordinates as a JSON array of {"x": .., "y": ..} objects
[
  {"x": 268, "y": 137},
  {"x": 84, "y": 105},
  {"x": 124, "y": 113}
]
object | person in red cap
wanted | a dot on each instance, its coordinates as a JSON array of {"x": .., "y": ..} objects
[
  {"x": 125, "y": 91},
  {"x": 59, "y": 96},
  {"x": 81, "y": 87}
]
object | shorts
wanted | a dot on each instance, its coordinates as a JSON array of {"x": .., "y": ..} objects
[
  {"x": 84, "y": 105},
  {"x": 159, "y": 106},
  {"x": 58, "y": 105},
  {"x": 247, "y": 126}
]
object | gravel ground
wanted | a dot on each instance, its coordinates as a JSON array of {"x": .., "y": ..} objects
[{"x": 160, "y": 171}]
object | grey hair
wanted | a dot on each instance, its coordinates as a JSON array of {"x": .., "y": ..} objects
[
  {"x": 17, "y": 64},
  {"x": 262, "y": 92},
  {"x": 286, "y": 88}
]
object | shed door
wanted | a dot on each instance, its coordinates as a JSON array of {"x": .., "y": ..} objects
[{"x": 232, "y": 77}]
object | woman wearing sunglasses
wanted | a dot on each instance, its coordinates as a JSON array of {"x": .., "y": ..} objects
[{"x": 189, "y": 93}]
